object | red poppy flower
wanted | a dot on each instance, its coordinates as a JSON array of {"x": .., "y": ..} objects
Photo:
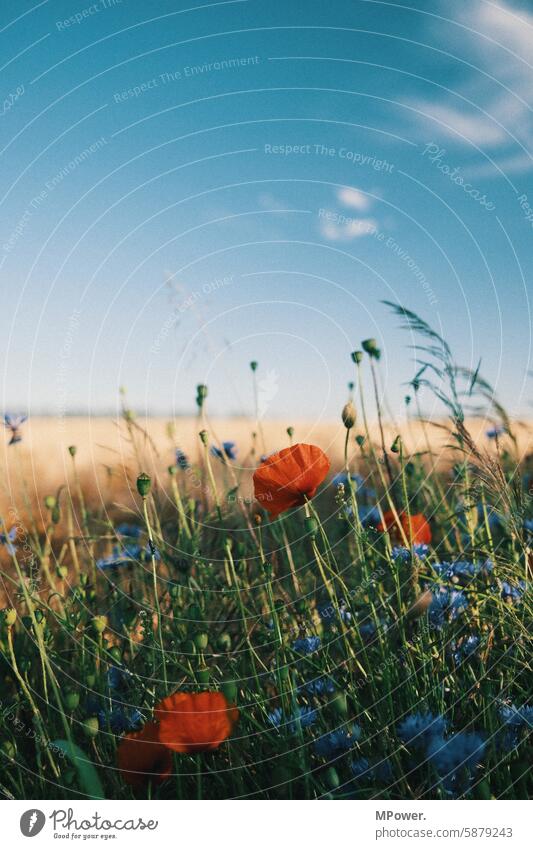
[
  {"x": 288, "y": 477},
  {"x": 416, "y": 528},
  {"x": 142, "y": 757},
  {"x": 195, "y": 722}
]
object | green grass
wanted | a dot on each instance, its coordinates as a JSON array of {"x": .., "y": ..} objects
[{"x": 221, "y": 594}]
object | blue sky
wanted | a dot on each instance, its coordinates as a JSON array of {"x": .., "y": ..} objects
[{"x": 188, "y": 189}]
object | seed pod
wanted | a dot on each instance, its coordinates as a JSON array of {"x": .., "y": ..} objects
[
  {"x": 253, "y": 365},
  {"x": 144, "y": 483},
  {"x": 339, "y": 704},
  {"x": 99, "y": 624},
  {"x": 10, "y": 616},
  {"x": 91, "y": 727},
  {"x": 357, "y": 356},
  {"x": 201, "y": 640},
  {"x": 349, "y": 415},
  {"x": 224, "y": 642},
  {"x": 395, "y": 447},
  {"x": 50, "y": 502},
  {"x": 371, "y": 347},
  {"x": 72, "y": 700},
  {"x": 72, "y": 450}
]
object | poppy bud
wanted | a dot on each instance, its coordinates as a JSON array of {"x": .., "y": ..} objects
[
  {"x": 201, "y": 639},
  {"x": 144, "y": 484},
  {"x": 90, "y": 680},
  {"x": 204, "y": 436},
  {"x": 253, "y": 365},
  {"x": 229, "y": 689},
  {"x": 371, "y": 347},
  {"x": 311, "y": 525},
  {"x": 357, "y": 356},
  {"x": 9, "y": 749},
  {"x": 290, "y": 431},
  {"x": 116, "y": 653},
  {"x": 224, "y": 642},
  {"x": 10, "y": 616},
  {"x": 407, "y": 400},
  {"x": 349, "y": 415},
  {"x": 91, "y": 727},
  {"x": 201, "y": 394},
  {"x": 50, "y": 502},
  {"x": 202, "y": 675},
  {"x": 72, "y": 450},
  {"x": 72, "y": 700},
  {"x": 56, "y": 515},
  {"x": 99, "y": 624},
  {"x": 395, "y": 447},
  {"x": 172, "y": 470}
]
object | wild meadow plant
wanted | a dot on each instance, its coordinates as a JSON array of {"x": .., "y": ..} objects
[{"x": 361, "y": 632}]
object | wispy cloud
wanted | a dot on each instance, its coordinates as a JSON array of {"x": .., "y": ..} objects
[
  {"x": 491, "y": 109},
  {"x": 342, "y": 226}
]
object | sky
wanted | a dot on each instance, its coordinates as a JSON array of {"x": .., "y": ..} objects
[{"x": 188, "y": 188}]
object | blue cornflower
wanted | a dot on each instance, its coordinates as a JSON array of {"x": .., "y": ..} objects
[
  {"x": 341, "y": 479},
  {"x": 306, "y": 645},
  {"x": 367, "y": 631},
  {"x": 327, "y": 611},
  {"x": 494, "y": 432},
  {"x": 319, "y": 686},
  {"x": 127, "y": 530},
  {"x": 182, "y": 461},
  {"x": 420, "y": 550},
  {"x": 13, "y": 424},
  {"x": 360, "y": 768},
  {"x": 118, "y": 678},
  {"x": 119, "y": 719},
  {"x": 337, "y": 742},
  {"x": 518, "y": 721},
  {"x": 446, "y": 605},
  {"x": 305, "y": 716},
  {"x": 228, "y": 450},
  {"x": 456, "y": 759},
  {"x": 518, "y": 716},
  {"x": 126, "y": 555},
  {"x": 418, "y": 729},
  {"x": 8, "y": 539},
  {"x": 465, "y": 648},
  {"x": 512, "y": 593},
  {"x": 369, "y": 515}
]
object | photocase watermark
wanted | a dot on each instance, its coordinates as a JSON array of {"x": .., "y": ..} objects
[
  {"x": 9, "y": 715},
  {"x": 187, "y": 72},
  {"x": 32, "y": 822},
  {"x": 526, "y": 208},
  {"x": 337, "y": 226},
  {"x": 436, "y": 155},
  {"x": 11, "y": 99},
  {"x": 355, "y": 157},
  {"x": 86, "y": 13},
  {"x": 49, "y": 186},
  {"x": 187, "y": 303}
]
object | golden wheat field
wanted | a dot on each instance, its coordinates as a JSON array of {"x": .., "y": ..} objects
[{"x": 109, "y": 453}]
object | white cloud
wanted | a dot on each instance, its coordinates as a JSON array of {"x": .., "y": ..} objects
[
  {"x": 340, "y": 228},
  {"x": 354, "y": 198},
  {"x": 497, "y": 41}
]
